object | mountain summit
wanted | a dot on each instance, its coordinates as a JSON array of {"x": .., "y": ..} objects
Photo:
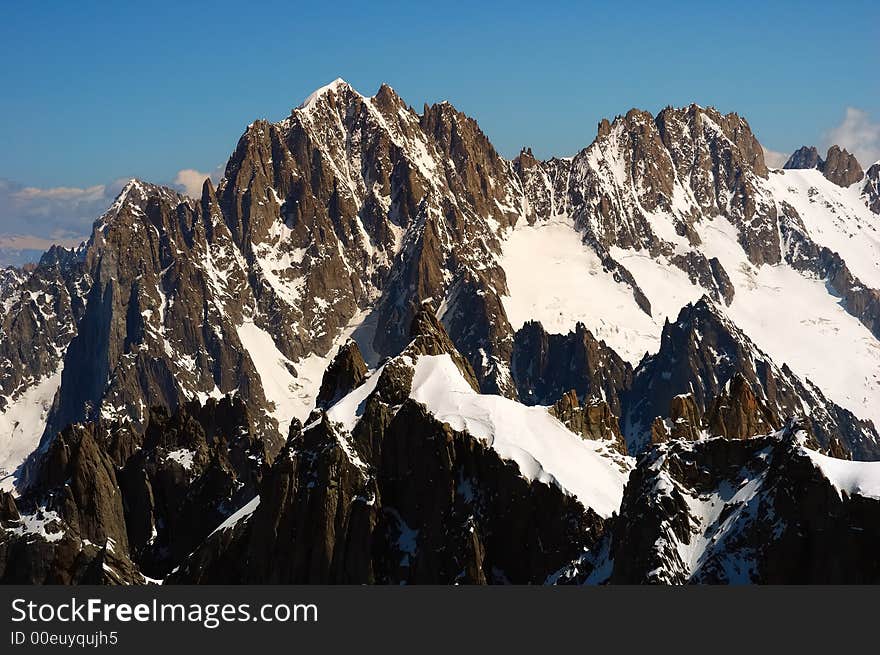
[{"x": 378, "y": 351}]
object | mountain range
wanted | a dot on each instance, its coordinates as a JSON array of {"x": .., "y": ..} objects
[{"x": 379, "y": 352}]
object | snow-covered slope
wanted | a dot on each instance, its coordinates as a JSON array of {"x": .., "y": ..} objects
[
  {"x": 541, "y": 446},
  {"x": 555, "y": 273},
  {"x": 556, "y": 279},
  {"x": 835, "y": 217},
  {"x": 850, "y": 478},
  {"x": 22, "y": 424},
  {"x": 795, "y": 319}
]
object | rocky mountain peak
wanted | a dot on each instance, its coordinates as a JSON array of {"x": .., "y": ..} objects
[
  {"x": 429, "y": 337},
  {"x": 351, "y": 252},
  {"x": 805, "y": 157},
  {"x": 839, "y": 166},
  {"x": 337, "y": 89},
  {"x": 346, "y": 372},
  {"x": 722, "y": 132}
]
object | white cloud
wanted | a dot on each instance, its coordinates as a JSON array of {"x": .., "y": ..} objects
[
  {"x": 33, "y": 218},
  {"x": 30, "y": 242},
  {"x": 859, "y": 134},
  {"x": 19, "y": 249},
  {"x": 190, "y": 181},
  {"x": 774, "y": 159},
  {"x": 57, "y": 213}
]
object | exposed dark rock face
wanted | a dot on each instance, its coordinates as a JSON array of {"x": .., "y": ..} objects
[
  {"x": 107, "y": 505},
  {"x": 871, "y": 190},
  {"x": 72, "y": 522},
  {"x": 346, "y": 372},
  {"x": 41, "y": 309},
  {"x": 546, "y": 366},
  {"x": 699, "y": 355},
  {"x": 195, "y": 468},
  {"x": 805, "y": 157},
  {"x": 593, "y": 420},
  {"x": 440, "y": 508},
  {"x": 685, "y": 421},
  {"x": 478, "y": 320},
  {"x": 839, "y": 166},
  {"x": 736, "y": 413},
  {"x": 725, "y": 511},
  {"x": 159, "y": 324}
]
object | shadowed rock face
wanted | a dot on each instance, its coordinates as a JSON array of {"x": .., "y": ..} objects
[
  {"x": 805, "y": 157},
  {"x": 725, "y": 511},
  {"x": 440, "y": 508},
  {"x": 108, "y": 506},
  {"x": 407, "y": 500},
  {"x": 346, "y": 372},
  {"x": 545, "y": 366},
  {"x": 871, "y": 190}
]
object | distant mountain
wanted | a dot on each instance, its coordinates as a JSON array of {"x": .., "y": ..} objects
[
  {"x": 380, "y": 352},
  {"x": 839, "y": 166}
]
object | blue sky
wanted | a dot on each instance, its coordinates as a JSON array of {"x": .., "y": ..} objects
[{"x": 94, "y": 92}]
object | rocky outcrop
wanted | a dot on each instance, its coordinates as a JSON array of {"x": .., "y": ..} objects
[
  {"x": 196, "y": 467},
  {"x": 684, "y": 421},
  {"x": 346, "y": 372},
  {"x": 41, "y": 309},
  {"x": 871, "y": 189},
  {"x": 546, "y": 366},
  {"x": 402, "y": 498},
  {"x": 839, "y": 166},
  {"x": 704, "y": 355},
  {"x": 736, "y": 413},
  {"x": 72, "y": 522},
  {"x": 803, "y": 254},
  {"x": 725, "y": 511},
  {"x": 110, "y": 506},
  {"x": 593, "y": 420},
  {"x": 805, "y": 157}
]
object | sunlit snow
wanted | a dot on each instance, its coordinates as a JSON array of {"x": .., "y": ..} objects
[{"x": 539, "y": 444}]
